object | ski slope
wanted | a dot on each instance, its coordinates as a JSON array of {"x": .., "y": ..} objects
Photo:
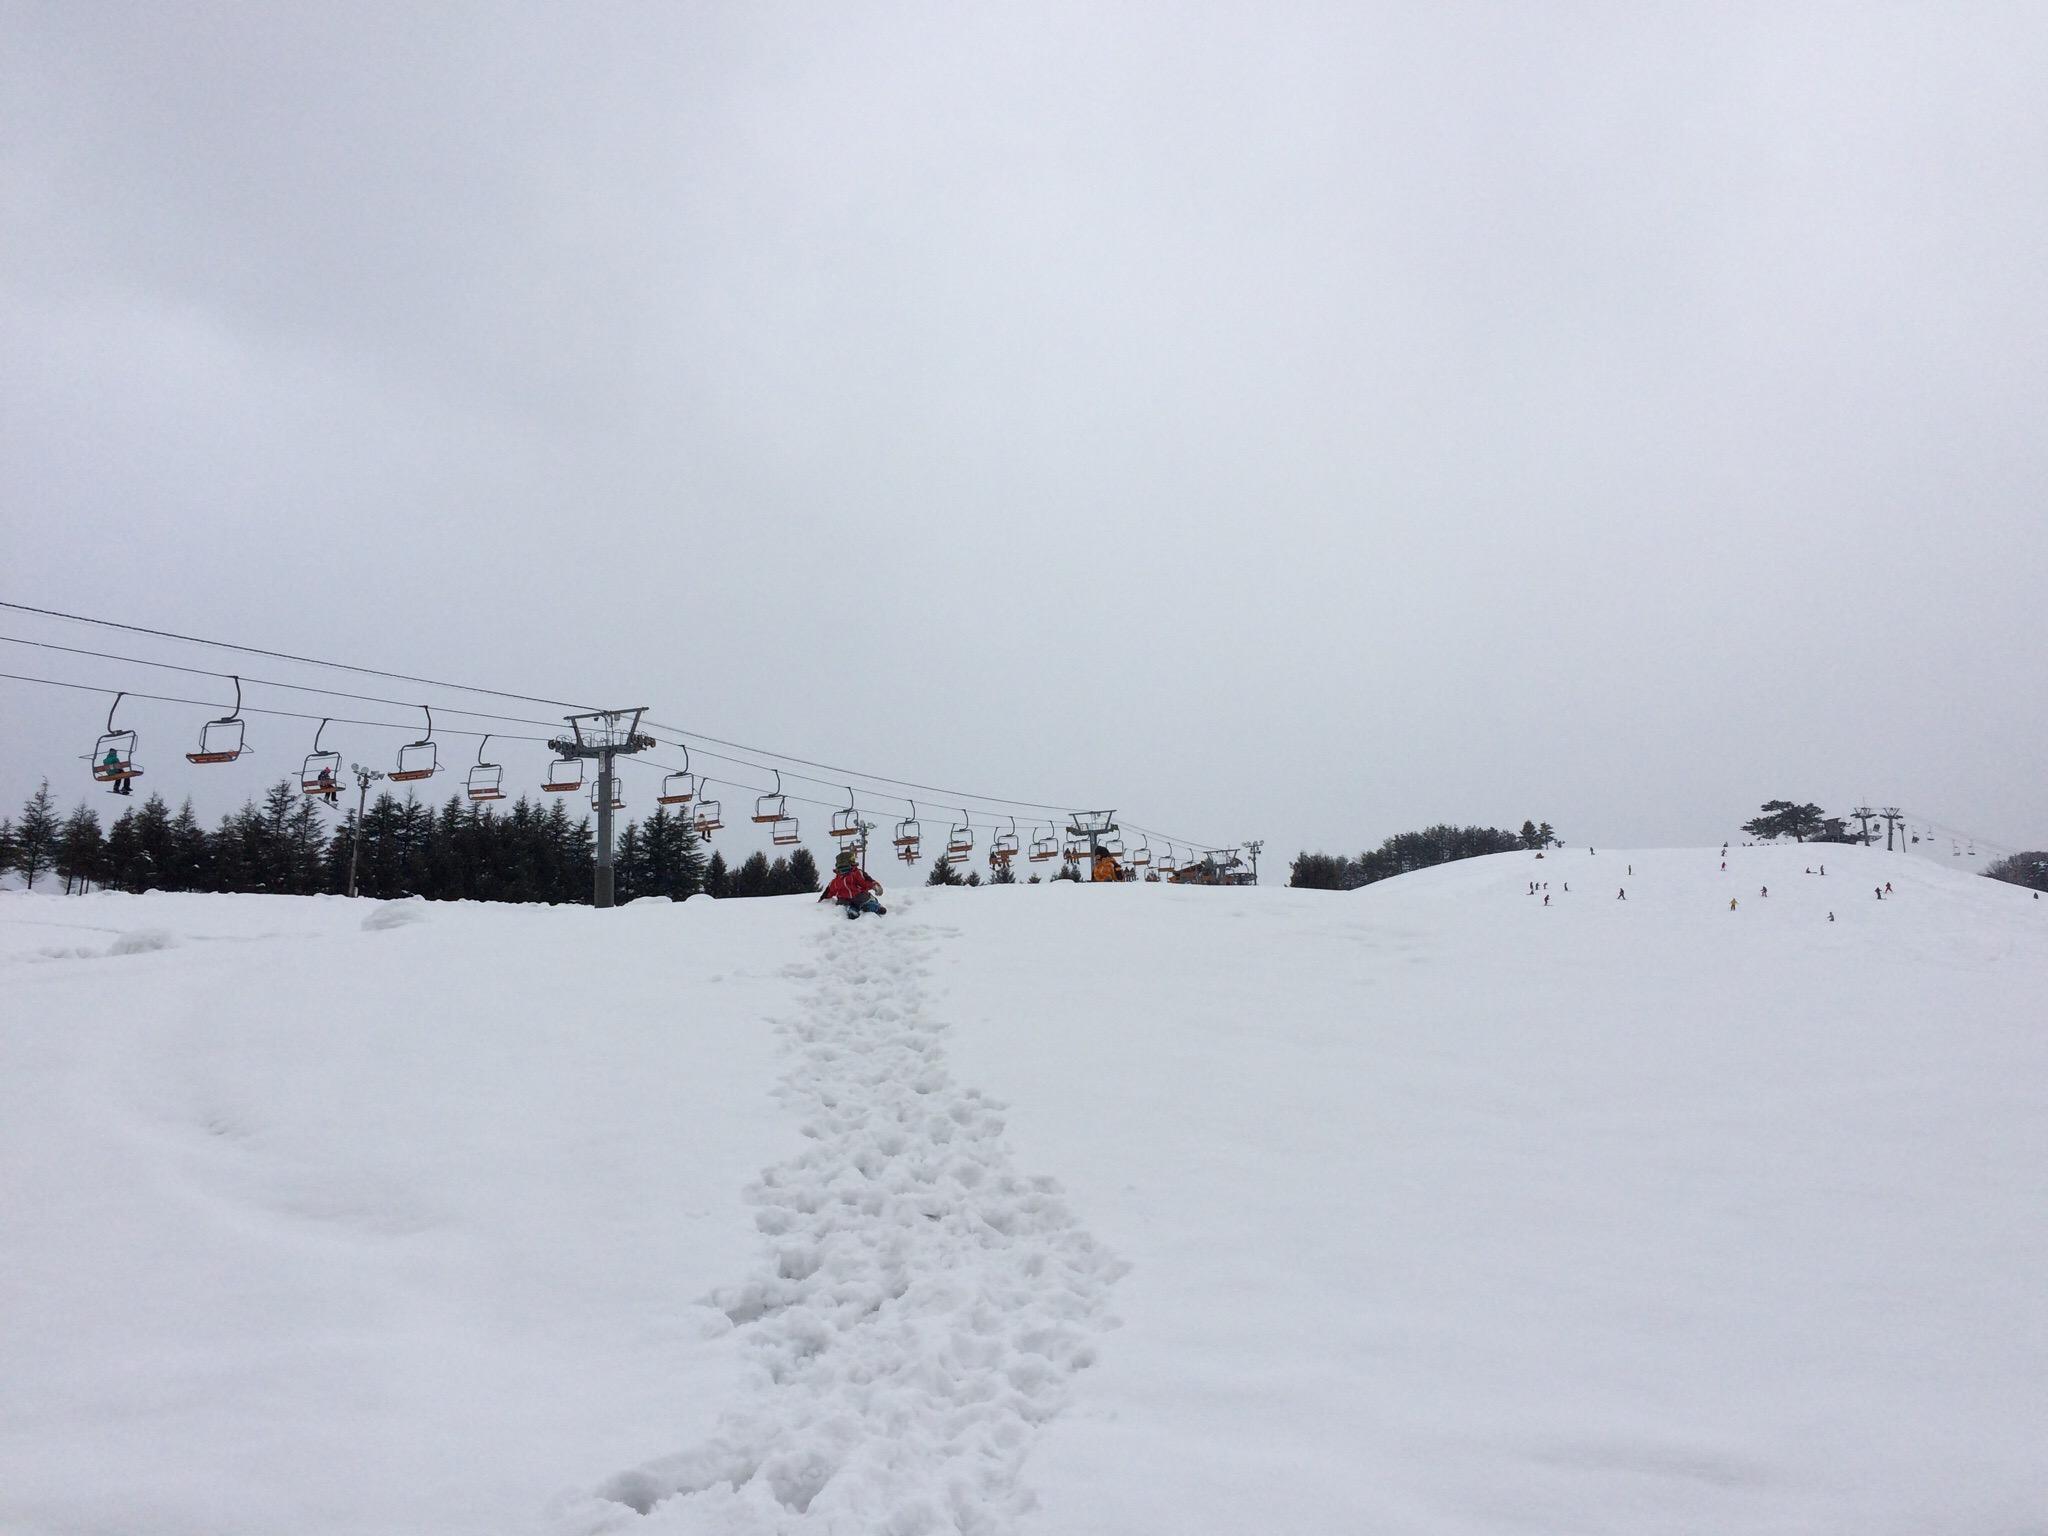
[{"x": 1424, "y": 1208}]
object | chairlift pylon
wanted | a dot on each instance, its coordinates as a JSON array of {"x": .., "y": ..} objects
[
  {"x": 113, "y": 755},
  {"x": 678, "y": 788},
  {"x": 774, "y": 806},
  {"x": 320, "y": 774},
  {"x": 486, "y": 780},
  {"x": 418, "y": 759},
  {"x": 225, "y": 739}
]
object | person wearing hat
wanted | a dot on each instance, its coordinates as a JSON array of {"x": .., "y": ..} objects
[{"x": 853, "y": 887}]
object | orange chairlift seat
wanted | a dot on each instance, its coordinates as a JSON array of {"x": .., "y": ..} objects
[
  {"x": 706, "y": 820},
  {"x": 783, "y": 832},
  {"x": 486, "y": 780},
  {"x": 774, "y": 806},
  {"x": 908, "y": 835},
  {"x": 222, "y": 740},
  {"x": 418, "y": 759},
  {"x": 1003, "y": 847},
  {"x": 618, "y": 795},
  {"x": 960, "y": 840},
  {"x": 1142, "y": 858},
  {"x": 1044, "y": 848},
  {"x": 113, "y": 755},
  {"x": 317, "y": 763},
  {"x": 565, "y": 776},
  {"x": 846, "y": 823},
  {"x": 678, "y": 788}
]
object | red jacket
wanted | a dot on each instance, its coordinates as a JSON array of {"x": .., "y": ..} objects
[{"x": 851, "y": 885}]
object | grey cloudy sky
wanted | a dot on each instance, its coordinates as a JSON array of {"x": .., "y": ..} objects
[{"x": 1275, "y": 420}]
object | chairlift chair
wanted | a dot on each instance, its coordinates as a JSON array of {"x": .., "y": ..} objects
[
  {"x": 783, "y": 832},
  {"x": 318, "y": 762},
  {"x": 486, "y": 780},
  {"x": 774, "y": 806},
  {"x": 565, "y": 776},
  {"x": 1004, "y": 846},
  {"x": 846, "y": 823},
  {"x": 1142, "y": 859},
  {"x": 706, "y": 820},
  {"x": 1044, "y": 848},
  {"x": 418, "y": 759},
  {"x": 678, "y": 788},
  {"x": 222, "y": 740},
  {"x": 120, "y": 746},
  {"x": 960, "y": 840},
  {"x": 908, "y": 835},
  {"x": 618, "y": 795}
]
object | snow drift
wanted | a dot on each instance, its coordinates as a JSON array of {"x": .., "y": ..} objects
[{"x": 1426, "y": 1208}]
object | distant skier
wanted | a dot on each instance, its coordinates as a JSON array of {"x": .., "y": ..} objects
[
  {"x": 1765, "y": 891},
  {"x": 1823, "y": 869},
  {"x": 1546, "y": 901},
  {"x": 1631, "y": 869},
  {"x": 1621, "y": 894},
  {"x": 1724, "y": 863},
  {"x": 1831, "y": 917},
  {"x": 853, "y": 887},
  {"x": 1888, "y": 888},
  {"x": 1880, "y": 891},
  {"x": 1731, "y": 903}
]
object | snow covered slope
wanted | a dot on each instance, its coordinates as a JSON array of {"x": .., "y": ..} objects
[{"x": 1063, "y": 1210}]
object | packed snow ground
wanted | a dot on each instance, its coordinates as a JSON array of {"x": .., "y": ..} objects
[{"x": 1043, "y": 1210}]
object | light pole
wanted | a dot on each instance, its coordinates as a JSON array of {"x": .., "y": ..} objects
[{"x": 365, "y": 777}]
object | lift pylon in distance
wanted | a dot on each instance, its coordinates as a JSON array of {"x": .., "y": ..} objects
[{"x": 604, "y": 735}]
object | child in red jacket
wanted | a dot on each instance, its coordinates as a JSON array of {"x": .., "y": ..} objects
[{"x": 853, "y": 888}]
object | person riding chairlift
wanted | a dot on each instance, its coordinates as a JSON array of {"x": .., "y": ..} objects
[
  {"x": 111, "y": 764},
  {"x": 327, "y": 790},
  {"x": 853, "y": 887}
]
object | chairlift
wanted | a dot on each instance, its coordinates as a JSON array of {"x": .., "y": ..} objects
[
  {"x": 618, "y": 795},
  {"x": 222, "y": 740},
  {"x": 706, "y": 819},
  {"x": 1044, "y": 848},
  {"x": 1142, "y": 859},
  {"x": 782, "y": 832},
  {"x": 960, "y": 841},
  {"x": 774, "y": 806},
  {"x": 418, "y": 759},
  {"x": 908, "y": 835},
  {"x": 1004, "y": 846},
  {"x": 320, "y": 763},
  {"x": 486, "y": 780},
  {"x": 565, "y": 776},
  {"x": 846, "y": 823},
  {"x": 113, "y": 755},
  {"x": 678, "y": 788},
  {"x": 1113, "y": 845}
]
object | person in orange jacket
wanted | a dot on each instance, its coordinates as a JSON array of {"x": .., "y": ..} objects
[
  {"x": 853, "y": 887},
  {"x": 1105, "y": 866}
]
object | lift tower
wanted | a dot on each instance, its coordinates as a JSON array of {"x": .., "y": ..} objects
[{"x": 604, "y": 734}]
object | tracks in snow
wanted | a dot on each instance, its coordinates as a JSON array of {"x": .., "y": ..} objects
[{"x": 921, "y": 1309}]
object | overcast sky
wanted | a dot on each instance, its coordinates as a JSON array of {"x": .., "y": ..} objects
[{"x": 1285, "y": 421}]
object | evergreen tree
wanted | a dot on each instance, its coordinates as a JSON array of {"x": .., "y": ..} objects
[
  {"x": 1069, "y": 871},
  {"x": 628, "y": 860},
  {"x": 1781, "y": 818},
  {"x": 974, "y": 877},
  {"x": 1034, "y": 880},
  {"x": 35, "y": 835},
  {"x": 717, "y": 879},
  {"x": 81, "y": 849},
  {"x": 1000, "y": 873},
  {"x": 671, "y": 863},
  {"x": 943, "y": 873},
  {"x": 751, "y": 878},
  {"x": 803, "y": 874},
  {"x": 6, "y": 844},
  {"x": 1323, "y": 871}
]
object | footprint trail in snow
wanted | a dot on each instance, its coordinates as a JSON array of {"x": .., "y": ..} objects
[{"x": 921, "y": 1308}]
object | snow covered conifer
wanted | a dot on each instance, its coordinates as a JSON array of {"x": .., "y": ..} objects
[{"x": 35, "y": 836}]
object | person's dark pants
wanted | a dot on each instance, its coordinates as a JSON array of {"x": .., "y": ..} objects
[{"x": 865, "y": 904}]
